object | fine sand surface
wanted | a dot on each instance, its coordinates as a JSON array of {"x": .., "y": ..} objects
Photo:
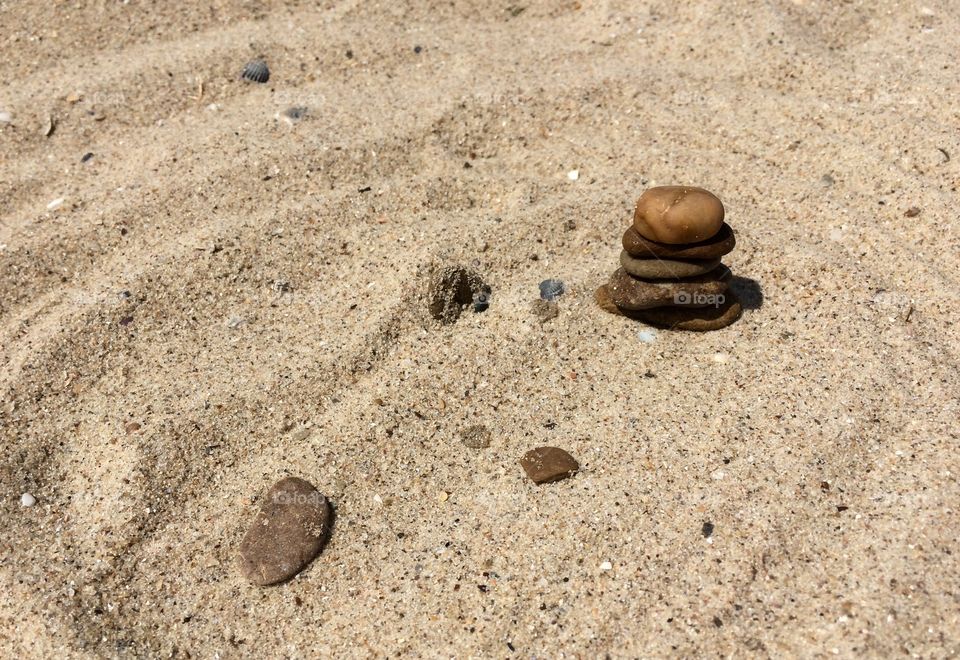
[{"x": 251, "y": 294}]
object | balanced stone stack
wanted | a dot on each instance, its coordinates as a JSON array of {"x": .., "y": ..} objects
[{"x": 671, "y": 275}]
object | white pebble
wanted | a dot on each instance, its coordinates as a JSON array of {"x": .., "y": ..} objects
[
  {"x": 5, "y": 117},
  {"x": 55, "y": 204},
  {"x": 647, "y": 336},
  {"x": 573, "y": 175},
  {"x": 27, "y": 500},
  {"x": 606, "y": 566}
]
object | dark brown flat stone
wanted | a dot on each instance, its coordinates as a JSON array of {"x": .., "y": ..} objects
[
  {"x": 696, "y": 319},
  {"x": 290, "y": 530},
  {"x": 629, "y": 292},
  {"x": 716, "y": 246},
  {"x": 546, "y": 464}
]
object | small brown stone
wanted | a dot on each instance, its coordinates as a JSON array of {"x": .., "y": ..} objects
[
  {"x": 545, "y": 310},
  {"x": 629, "y": 292},
  {"x": 716, "y": 246},
  {"x": 290, "y": 530},
  {"x": 697, "y": 319},
  {"x": 656, "y": 268},
  {"x": 678, "y": 214},
  {"x": 546, "y": 464}
]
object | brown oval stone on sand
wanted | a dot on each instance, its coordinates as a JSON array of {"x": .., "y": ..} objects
[
  {"x": 716, "y": 246},
  {"x": 546, "y": 464},
  {"x": 629, "y": 292},
  {"x": 656, "y": 268},
  {"x": 290, "y": 530},
  {"x": 678, "y": 214},
  {"x": 697, "y": 319}
]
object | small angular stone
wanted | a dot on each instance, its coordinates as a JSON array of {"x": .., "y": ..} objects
[
  {"x": 547, "y": 464},
  {"x": 290, "y": 530},
  {"x": 722, "y": 243}
]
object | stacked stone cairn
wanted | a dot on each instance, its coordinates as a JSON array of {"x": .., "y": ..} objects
[{"x": 670, "y": 274}]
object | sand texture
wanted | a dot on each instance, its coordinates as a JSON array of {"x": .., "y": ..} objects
[{"x": 223, "y": 298}]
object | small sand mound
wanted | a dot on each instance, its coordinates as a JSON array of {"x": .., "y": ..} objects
[{"x": 451, "y": 289}]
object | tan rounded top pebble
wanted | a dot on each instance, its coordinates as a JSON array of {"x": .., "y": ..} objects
[{"x": 678, "y": 214}]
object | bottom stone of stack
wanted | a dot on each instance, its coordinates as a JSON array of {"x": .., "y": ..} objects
[{"x": 696, "y": 319}]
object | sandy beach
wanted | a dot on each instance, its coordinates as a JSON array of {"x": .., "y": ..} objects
[{"x": 208, "y": 284}]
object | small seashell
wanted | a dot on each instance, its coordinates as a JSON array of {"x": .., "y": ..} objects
[
  {"x": 551, "y": 289},
  {"x": 256, "y": 71}
]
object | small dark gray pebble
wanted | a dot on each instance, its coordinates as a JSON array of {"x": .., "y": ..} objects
[
  {"x": 551, "y": 289},
  {"x": 256, "y": 71},
  {"x": 481, "y": 301},
  {"x": 87, "y": 156}
]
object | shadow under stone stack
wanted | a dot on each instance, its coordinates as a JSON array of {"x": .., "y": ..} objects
[{"x": 670, "y": 272}]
